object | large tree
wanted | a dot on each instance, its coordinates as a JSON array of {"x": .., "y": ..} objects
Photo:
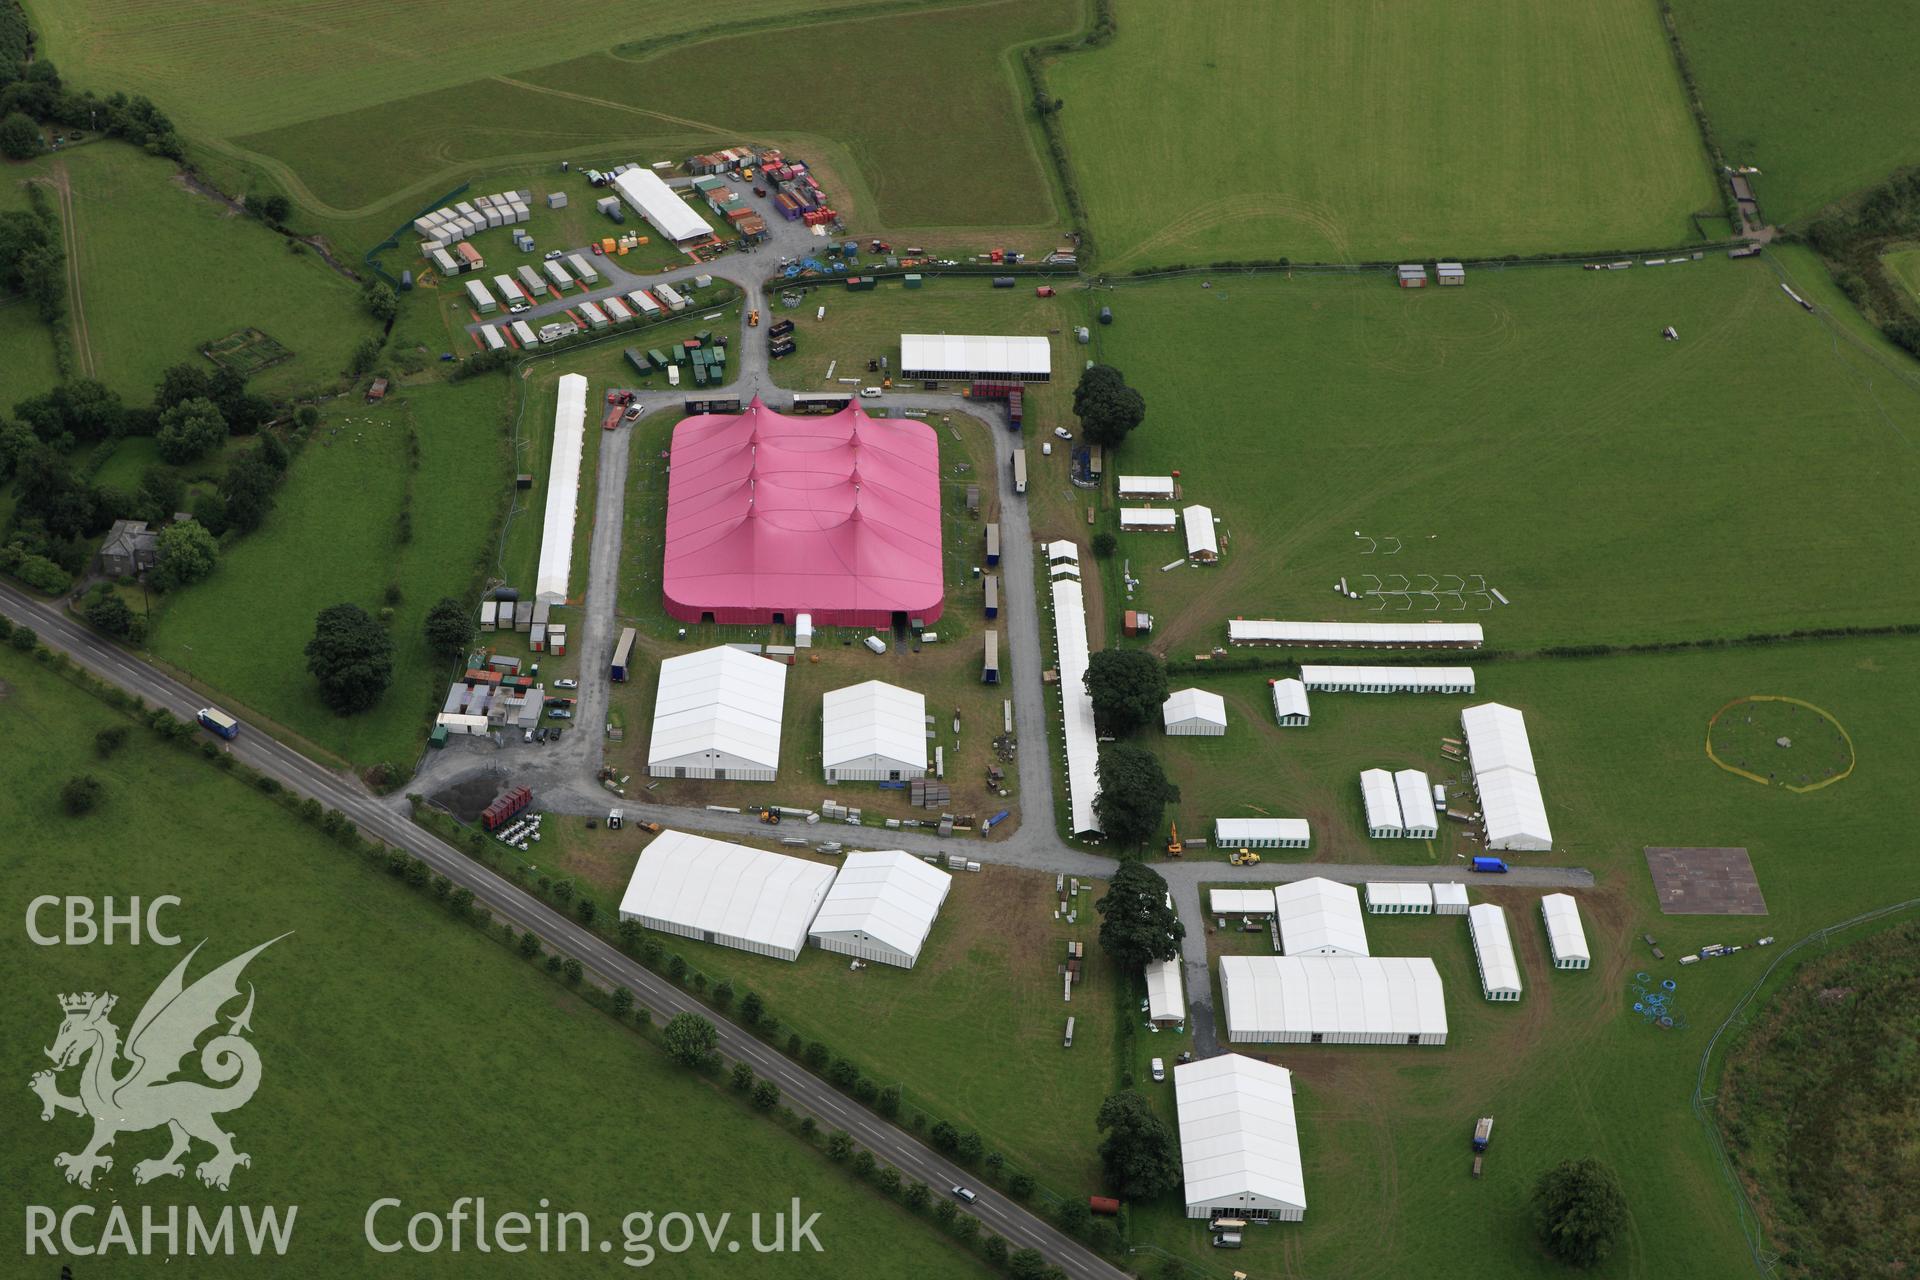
[
  {"x": 1137, "y": 923},
  {"x": 351, "y": 656},
  {"x": 1134, "y": 793},
  {"x": 689, "y": 1038},
  {"x": 246, "y": 491},
  {"x": 190, "y": 430},
  {"x": 1107, "y": 407},
  {"x": 1127, "y": 687},
  {"x": 449, "y": 627},
  {"x": 185, "y": 553},
  {"x": 19, "y": 137},
  {"x": 1579, "y": 1211},
  {"x": 1139, "y": 1152}
]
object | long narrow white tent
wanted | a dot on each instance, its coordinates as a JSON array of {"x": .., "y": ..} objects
[
  {"x": 1493, "y": 951},
  {"x": 1239, "y": 1143},
  {"x": 873, "y": 732},
  {"x": 1202, "y": 544},
  {"x": 563, "y": 491},
  {"x": 1290, "y": 708},
  {"x": 1501, "y": 756},
  {"x": 1320, "y": 918},
  {"x": 881, "y": 907},
  {"x": 725, "y": 893},
  {"x": 955, "y": 355},
  {"x": 1417, "y": 813},
  {"x": 1240, "y": 902},
  {"x": 1362, "y": 635},
  {"x": 659, "y": 204},
  {"x": 1262, "y": 833},
  {"x": 1327, "y": 679},
  {"x": 1382, "y": 802},
  {"x": 718, "y": 715},
  {"x": 1166, "y": 997},
  {"x": 1566, "y": 939},
  {"x": 1083, "y": 747},
  {"x": 1333, "y": 1000}
]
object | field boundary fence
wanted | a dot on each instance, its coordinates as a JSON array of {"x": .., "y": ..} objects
[
  {"x": 371, "y": 257},
  {"x": 1703, "y": 1101},
  {"x": 1148, "y": 275}
]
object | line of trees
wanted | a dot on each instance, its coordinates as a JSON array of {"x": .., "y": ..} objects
[
  {"x": 33, "y": 94},
  {"x": 1127, "y": 688}
]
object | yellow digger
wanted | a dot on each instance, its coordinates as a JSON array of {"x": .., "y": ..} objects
[
  {"x": 1175, "y": 846},
  {"x": 1244, "y": 858}
]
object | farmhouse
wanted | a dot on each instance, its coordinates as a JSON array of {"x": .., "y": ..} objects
[
  {"x": 1290, "y": 703},
  {"x": 1320, "y": 918},
  {"x": 1147, "y": 487},
  {"x": 881, "y": 907},
  {"x": 1166, "y": 999},
  {"x": 727, "y": 894},
  {"x": 1382, "y": 801},
  {"x": 1076, "y": 709},
  {"x": 1416, "y": 804},
  {"x": 1493, "y": 952},
  {"x": 1357, "y": 635},
  {"x": 717, "y": 715},
  {"x": 769, "y": 516},
  {"x": 563, "y": 491},
  {"x": 1194, "y": 713},
  {"x": 1387, "y": 679},
  {"x": 952, "y": 357},
  {"x": 130, "y": 548},
  {"x": 1202, "y": 545},
  {"x": 1261, "y": 833},
  {"x": 1566, "y": 939},
  {"x": 1239, "y": 1145},
  {"x": 1397, "y": 899},
  {"x": 1501, "y": 756},
  {"x": 1240, "y": 902},
  {"x": 1333, "y": 1000},
  {"x": 660, "y": 205},
  {"x": 873, "y": 732}
]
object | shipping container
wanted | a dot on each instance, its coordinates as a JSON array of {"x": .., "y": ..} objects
[
  {"x": 1019, "y": 470},
  {"x": 623, "y": 654}
]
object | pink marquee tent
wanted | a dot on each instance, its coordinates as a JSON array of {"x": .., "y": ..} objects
[{"x": 835, "y": 516}]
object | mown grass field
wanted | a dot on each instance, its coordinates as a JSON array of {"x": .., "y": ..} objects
[
  {"x": 1905, "y": 266},
  {"x": 852, "y": 97},
  {"x": 1232, "y": 129},
  {"x": 1824, "y": 104},
  {"x": 29, "y": 368},
  {"x": 1533, "y": 428},
  {"x": 348, "y": 1110},
  {"x": 332, "y": 537},
  {"x": 1572, "y": 1070}
]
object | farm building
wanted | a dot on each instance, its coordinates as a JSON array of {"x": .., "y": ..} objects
[
  {"x": 1416, "y": 804},
  {"x": 1450, "y": 273},
  {"x": 1396, "y": 899},
  {"x": 1382, "y": 801},
  {"x": 1147, "y": 519},
  {"x": 659, "y": 204},
  {"x": 1450, "y": 899},
  {"x": 1320, "y": 918},
  {"x": 769, "y": 516},
  {"x": 1261, "y": 833},
  {"x": 881, "y": 907},
  {"x": 1356, "y": 635},
  {"x": 1166, "y": 998},
  {"x": 1148, "y": 487},
  {"x": 717, "y": 715},
  {"x": 1202, "y": 544},
  {"x": 728, "y": 894},
  {"x": 1387, "y": 679},
  {"x": 1566, "y": 939},
  {"x": 1493, "y": 952},
  {"x": 873, "y": 732},
  {"x": 1194, "y": 713},
  {"x": 1076, "y": 708},
  {"x": 1290, "y": 703},
  {"x": 1239, "y": 1144},
  {"x": 1501, "y": 756},
  {"x": 563, "y": 491},
  {"x": 482, "y": 301},
  {"x": 1240, "y": 902},
  {"x": 1333, "y": 1000},
  {"x": 945, "y": 356},
  {"x": 585, "y": 272}
]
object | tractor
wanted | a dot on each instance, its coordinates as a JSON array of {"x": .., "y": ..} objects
[{"x": 1244, "y": 858}]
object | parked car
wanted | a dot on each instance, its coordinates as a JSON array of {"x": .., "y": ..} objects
[
  {"x": 554, "y": 253},
  {"x": 566, "y": 682},
  {"x": 869, "y": 393},
  {"x": 965, "y": 1194},
  {"x": 518, "y": 308},
  {"x": 529, "y": 737},
  {"x": 559, "y": 713},
  {"x": 1063, "y": 433},
  {"x": 1159, "y": 1069}
]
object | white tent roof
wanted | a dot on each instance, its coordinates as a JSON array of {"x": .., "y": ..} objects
[
  {"x": 1290, "y": 698},
  {"x": 1511, "y": 806},
  {"x": 1320, "y": 677},
  {"x": 1564, "y": 932},
  {"x": 563, "y": 491},
  {"x": 657, "y": 202},
  {"x": 727, "y": 889},
  {"x": 719, "y": 699},
  {"x": 890, "y": 896},
  {"x": 874, "y": 719},
  {"x": 1497, "y": 738},
  {"x": 1238, "y": 831},
  {"x": 1493, "y": 944},
  {"x": 1381, "y": 798},
  {"x": 1166, "y": 999},
  {"x": 1238, "y": 1140},
  {"x": 1240, "y": 902},
  {"x": 1083, "y": 747},
  {"x": 975, "y": 353},
  {"x": 1146, "y": 486},
  {"x": 1198, "y": 521},
  {"x": 1450, "y": 894},
  {"x": 1316, "y": 913},
  {"x": 1194, "y": 704},
  {"x": 1411, "y": 893},
  {"x": 1416, "y": 799},
  {"x": 1147, "y": 517},
  {"x": 1249, "y": 631},
  {"x": 1350, "y": 995},
  {"x": 1063, "y": 550}
]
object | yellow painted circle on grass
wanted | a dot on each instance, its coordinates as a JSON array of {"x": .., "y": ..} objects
[{"x": 1803, "y": 788}]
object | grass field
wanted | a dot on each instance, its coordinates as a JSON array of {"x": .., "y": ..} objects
[
  {"x": 867, "y": 130},
  {"x": 1824, "y": 108},
  {"x": 336, "y": 516},
  {"x": 537, "y": 1095},
  {"x": 163, "y": 271},
  {"x": 1904, "y": 263},
  {"x": 1531, "y": 428},
  {"x": 29, "y": 368},
  {"x": 1232, "y": 129}
]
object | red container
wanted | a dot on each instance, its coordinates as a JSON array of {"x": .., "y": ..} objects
[{"x": 1103, "y": 1204}]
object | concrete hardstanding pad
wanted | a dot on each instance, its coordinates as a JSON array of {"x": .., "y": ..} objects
[{"x": 1705, "y": 882}]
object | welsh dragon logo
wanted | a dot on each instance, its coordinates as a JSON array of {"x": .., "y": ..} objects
[{"x": 146, "y": 1095}]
